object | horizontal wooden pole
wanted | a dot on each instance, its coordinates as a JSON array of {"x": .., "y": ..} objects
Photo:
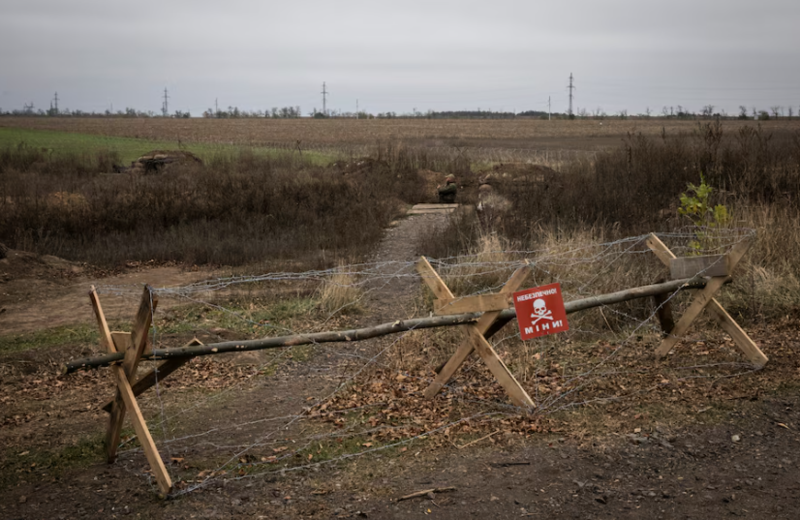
[
  {"x": 378, "y": 330},
  {"x": 476, "y": 303},
  {"x": 689, "y": 266}
]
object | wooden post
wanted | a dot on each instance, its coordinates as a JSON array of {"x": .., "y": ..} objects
[
  {"x": 664, "y": 310},
  {"x": 133, "y": 352},
  {"x": 125, "y": 398},
  {"x": 705, "y": 299},
  {"x": 476, "y": 337}
]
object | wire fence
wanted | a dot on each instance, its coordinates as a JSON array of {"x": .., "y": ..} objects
[{"x": 367, "y": 397}]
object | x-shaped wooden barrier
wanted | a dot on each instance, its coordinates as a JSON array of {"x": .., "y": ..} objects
[
  {"x": 705, "y": 300},
  {"x": 134, "y": 344},
  {"x": 477, "y": 334}
]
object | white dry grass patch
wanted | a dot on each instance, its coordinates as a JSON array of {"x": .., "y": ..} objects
[
  {"x": 767, "y": 282},
  {"x": 340, "y": 292},
  {"x": 485, "y": 268}
]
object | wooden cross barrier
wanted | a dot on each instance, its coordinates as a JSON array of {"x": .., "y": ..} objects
[
  {"x": 490, "y": 305},
  {"x": 719, "y": 269},
  {"x": 383, "y": 329},
  {"x": 134, "y": 345}
]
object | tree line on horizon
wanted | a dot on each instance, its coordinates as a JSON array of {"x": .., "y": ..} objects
[{"x": 294, "y": 112}]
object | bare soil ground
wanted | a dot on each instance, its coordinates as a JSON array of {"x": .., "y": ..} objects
[
  {"x": 722, "y": 453},
  {"x": 39, "y": 292},
  {"x": 590, "y": 134}
]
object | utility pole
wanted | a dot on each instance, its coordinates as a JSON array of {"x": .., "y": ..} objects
[
  {"x": 165, "y": 107},
  {"x": 571, "y": 88},
  {"x": 56, "y": 103},
  {"x": 356, "y": 108},
  {"x": 549, "y": 112},
  {"x": 324, "y": 99}
]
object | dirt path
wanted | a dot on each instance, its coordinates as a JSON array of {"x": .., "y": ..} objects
[{"x": 392, "y": 298}]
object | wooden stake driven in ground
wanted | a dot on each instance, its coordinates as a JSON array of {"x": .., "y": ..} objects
[
  {"x": 705, "y": 300},
  {"x": 133, "y": 345},
  {"x": 476, "y": 337}
]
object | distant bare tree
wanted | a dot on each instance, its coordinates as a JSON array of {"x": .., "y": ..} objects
[
  {"x": 742, "y": 112},
  {"x": 776, "y": 111}
]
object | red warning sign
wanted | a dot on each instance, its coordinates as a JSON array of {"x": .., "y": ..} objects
[{"x": 540, "y": 311}]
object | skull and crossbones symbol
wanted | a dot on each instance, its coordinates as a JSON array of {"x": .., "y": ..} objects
[{"x": 540, "y": 311}]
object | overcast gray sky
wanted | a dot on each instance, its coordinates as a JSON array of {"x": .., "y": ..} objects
[{"x": 400, "y": 55}]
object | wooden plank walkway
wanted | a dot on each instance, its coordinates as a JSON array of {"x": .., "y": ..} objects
[{"x": 423, "y": 209}]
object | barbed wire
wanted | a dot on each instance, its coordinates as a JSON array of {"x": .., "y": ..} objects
[{"x": 579, "y": 267}]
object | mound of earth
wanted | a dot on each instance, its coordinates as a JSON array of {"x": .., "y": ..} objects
[
  {"x": 517, "y": 173},
  {"x": 157, "y": 160},
  {"x": 360, "y": 166},
  {"x": 22, "y": 264}
]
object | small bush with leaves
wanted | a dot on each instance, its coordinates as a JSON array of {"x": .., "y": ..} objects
[{"x": 696, "y": 205}]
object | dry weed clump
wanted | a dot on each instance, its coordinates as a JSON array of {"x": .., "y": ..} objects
[
  {"x": 767, "y": 283},
  {"x": 340, "y": 292},
  {"x": 486, "y": 267}
]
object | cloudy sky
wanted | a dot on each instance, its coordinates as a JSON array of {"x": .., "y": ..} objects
[{"x": 400, "y": 55}]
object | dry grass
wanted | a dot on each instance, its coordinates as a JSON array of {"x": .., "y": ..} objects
[
  {"x": 340, "y": 292},
  {"x": 236, "y": 209},
  {"x": 572, "y": 221},
  {"x": 486, "y": 266},
  {"x": 346, "y": 132},
  {"x": 767, "y": 285}
]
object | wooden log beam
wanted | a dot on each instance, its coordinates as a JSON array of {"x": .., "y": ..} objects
[
  {"x": 485, "y": 350},
  {"x": 143, "y": 434},
  {"x": 157, "y": 374},
  {"x": 112, "y": 341},
  {"x": 689, "y": 266},
  {"x": 477, "y": 303},
  {"x": 664, "y": 311},
  {"x": 132, "y": 354},
  {"x": 739, "y": 336},
  {"x": 378, "y": 330}
]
